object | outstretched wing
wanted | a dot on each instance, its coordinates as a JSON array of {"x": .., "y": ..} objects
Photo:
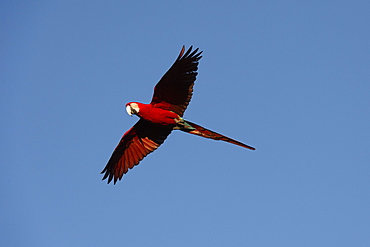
[
  {"x": 143, "y": 138},
  {"x": 175, "y": 88}
]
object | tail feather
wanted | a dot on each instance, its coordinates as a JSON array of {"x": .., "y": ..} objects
[{"x": 201, "y": 131}]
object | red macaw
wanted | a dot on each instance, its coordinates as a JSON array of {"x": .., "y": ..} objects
[{"x": 171, "y": 97}]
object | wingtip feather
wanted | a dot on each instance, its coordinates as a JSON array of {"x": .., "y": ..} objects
[{"x": 181, "y": 52}]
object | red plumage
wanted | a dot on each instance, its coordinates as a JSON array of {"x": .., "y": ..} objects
[{"x": 171, "y": 97}]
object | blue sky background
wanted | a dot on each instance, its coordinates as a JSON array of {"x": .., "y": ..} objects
[{"x": 291, "y": 78}]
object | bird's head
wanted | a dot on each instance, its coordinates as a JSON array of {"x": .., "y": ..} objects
[{"x": 132, "y": 108}]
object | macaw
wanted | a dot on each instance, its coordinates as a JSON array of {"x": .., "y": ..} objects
[{"x": 172, "y": 95}]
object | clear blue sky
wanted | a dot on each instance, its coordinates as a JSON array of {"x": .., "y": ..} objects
[{"x": 291, "y": 78}]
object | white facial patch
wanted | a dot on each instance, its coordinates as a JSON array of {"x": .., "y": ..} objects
[
  {"x": 132, "y": 108},
  {"x": 128, "y": 110}
]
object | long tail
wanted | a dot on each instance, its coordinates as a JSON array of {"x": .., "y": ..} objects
[{"x": 201, "y": 131}]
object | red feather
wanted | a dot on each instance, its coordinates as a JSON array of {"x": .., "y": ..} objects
[
  {"x": 143, "y": 138},
  {"x": 175, "y": 89},
  {"x": 201, "y": 131}
]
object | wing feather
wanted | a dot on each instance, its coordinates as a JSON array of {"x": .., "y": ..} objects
[
  {"x": 143, "y": 138},
  {"x": 175, "y": 89}
]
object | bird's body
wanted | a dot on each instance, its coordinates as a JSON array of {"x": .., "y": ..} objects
[
  {"x": 155, "y": 113},
  {"x": 171, "y": 97}
]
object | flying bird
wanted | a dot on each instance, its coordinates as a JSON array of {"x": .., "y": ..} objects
[{"x": 171, "y": 97}]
